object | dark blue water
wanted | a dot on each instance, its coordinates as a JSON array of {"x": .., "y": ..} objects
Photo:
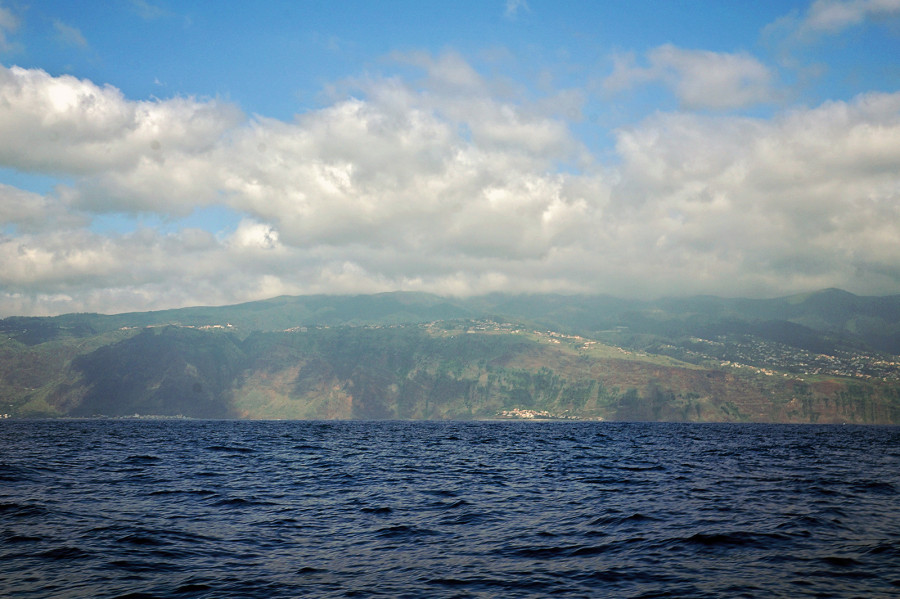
[{"x": 399, "y": 509}]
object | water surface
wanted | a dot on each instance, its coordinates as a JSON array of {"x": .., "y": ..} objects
[{"x": 121, "y": 508}]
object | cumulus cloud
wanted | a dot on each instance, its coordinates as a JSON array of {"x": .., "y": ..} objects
[
  {"x": 699, "y": 78},
  {"x": 439, "y": 184},
  {"x": 372, "y": 170},
  {"x": 68, "y": 125},
  {"x": 397, "y": 186},
  {"x": 27, "y": 212},
  {"x": 806, "y": 200}
]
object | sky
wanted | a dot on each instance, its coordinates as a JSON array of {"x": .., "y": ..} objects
[{"x": 158, "y": 154}]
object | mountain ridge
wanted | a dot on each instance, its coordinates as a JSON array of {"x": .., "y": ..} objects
[{"x": 828, "y": 356}]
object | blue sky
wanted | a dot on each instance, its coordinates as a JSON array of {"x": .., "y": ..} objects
[{"x": 158, "y": 154}]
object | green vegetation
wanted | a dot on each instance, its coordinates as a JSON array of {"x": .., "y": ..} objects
[{"x": 415, "y": 356}]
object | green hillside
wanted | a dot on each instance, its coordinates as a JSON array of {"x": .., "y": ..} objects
[{"x": 418, "y": 356}]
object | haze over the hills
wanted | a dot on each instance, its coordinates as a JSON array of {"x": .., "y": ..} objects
[{"x": 156, "y": 154}]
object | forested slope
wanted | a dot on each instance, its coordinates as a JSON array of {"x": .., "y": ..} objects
[{"x": 415, "y": 356}]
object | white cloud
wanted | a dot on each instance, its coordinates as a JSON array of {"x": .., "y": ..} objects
[
  {"x": 440, "y": 184},
  {"x": 809, "y": 199},
  {"x": 833, "y": 16},
  {"x": 29, "y": 212},
  {"x": 254, "y": 235},
  {"x": 828, "y": 18},
  {"x": 699, "y": 79},
  {"x": 67, "y": 125}
]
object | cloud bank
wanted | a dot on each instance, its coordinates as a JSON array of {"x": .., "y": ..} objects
[{"x": 442, "y": 183}]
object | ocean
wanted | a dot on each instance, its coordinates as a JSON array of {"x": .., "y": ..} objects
[{"x": 185, "y": 508}]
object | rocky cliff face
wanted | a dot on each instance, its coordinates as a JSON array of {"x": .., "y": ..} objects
[{"x": 396, "y": 366}]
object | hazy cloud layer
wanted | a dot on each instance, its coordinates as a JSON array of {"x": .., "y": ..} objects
[
  {"x": 445, "y": 183},
  {"x": 832, "y": 16},
  {"x": 513, "y": 7},
  {"x": 8, "y": 24},
  {"x": 69, "y": 35},
  {"x": 826, "y": 19}
]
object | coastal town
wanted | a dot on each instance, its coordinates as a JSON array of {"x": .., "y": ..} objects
[
  {"x": 771, "y": 358},
  {"x": 730, "y": 352}
]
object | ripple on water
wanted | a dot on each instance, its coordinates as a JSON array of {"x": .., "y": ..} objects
[{"x": 397, "y": 509}]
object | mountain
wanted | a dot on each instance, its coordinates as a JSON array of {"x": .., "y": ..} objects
[{"x": 828, "y": 356}]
